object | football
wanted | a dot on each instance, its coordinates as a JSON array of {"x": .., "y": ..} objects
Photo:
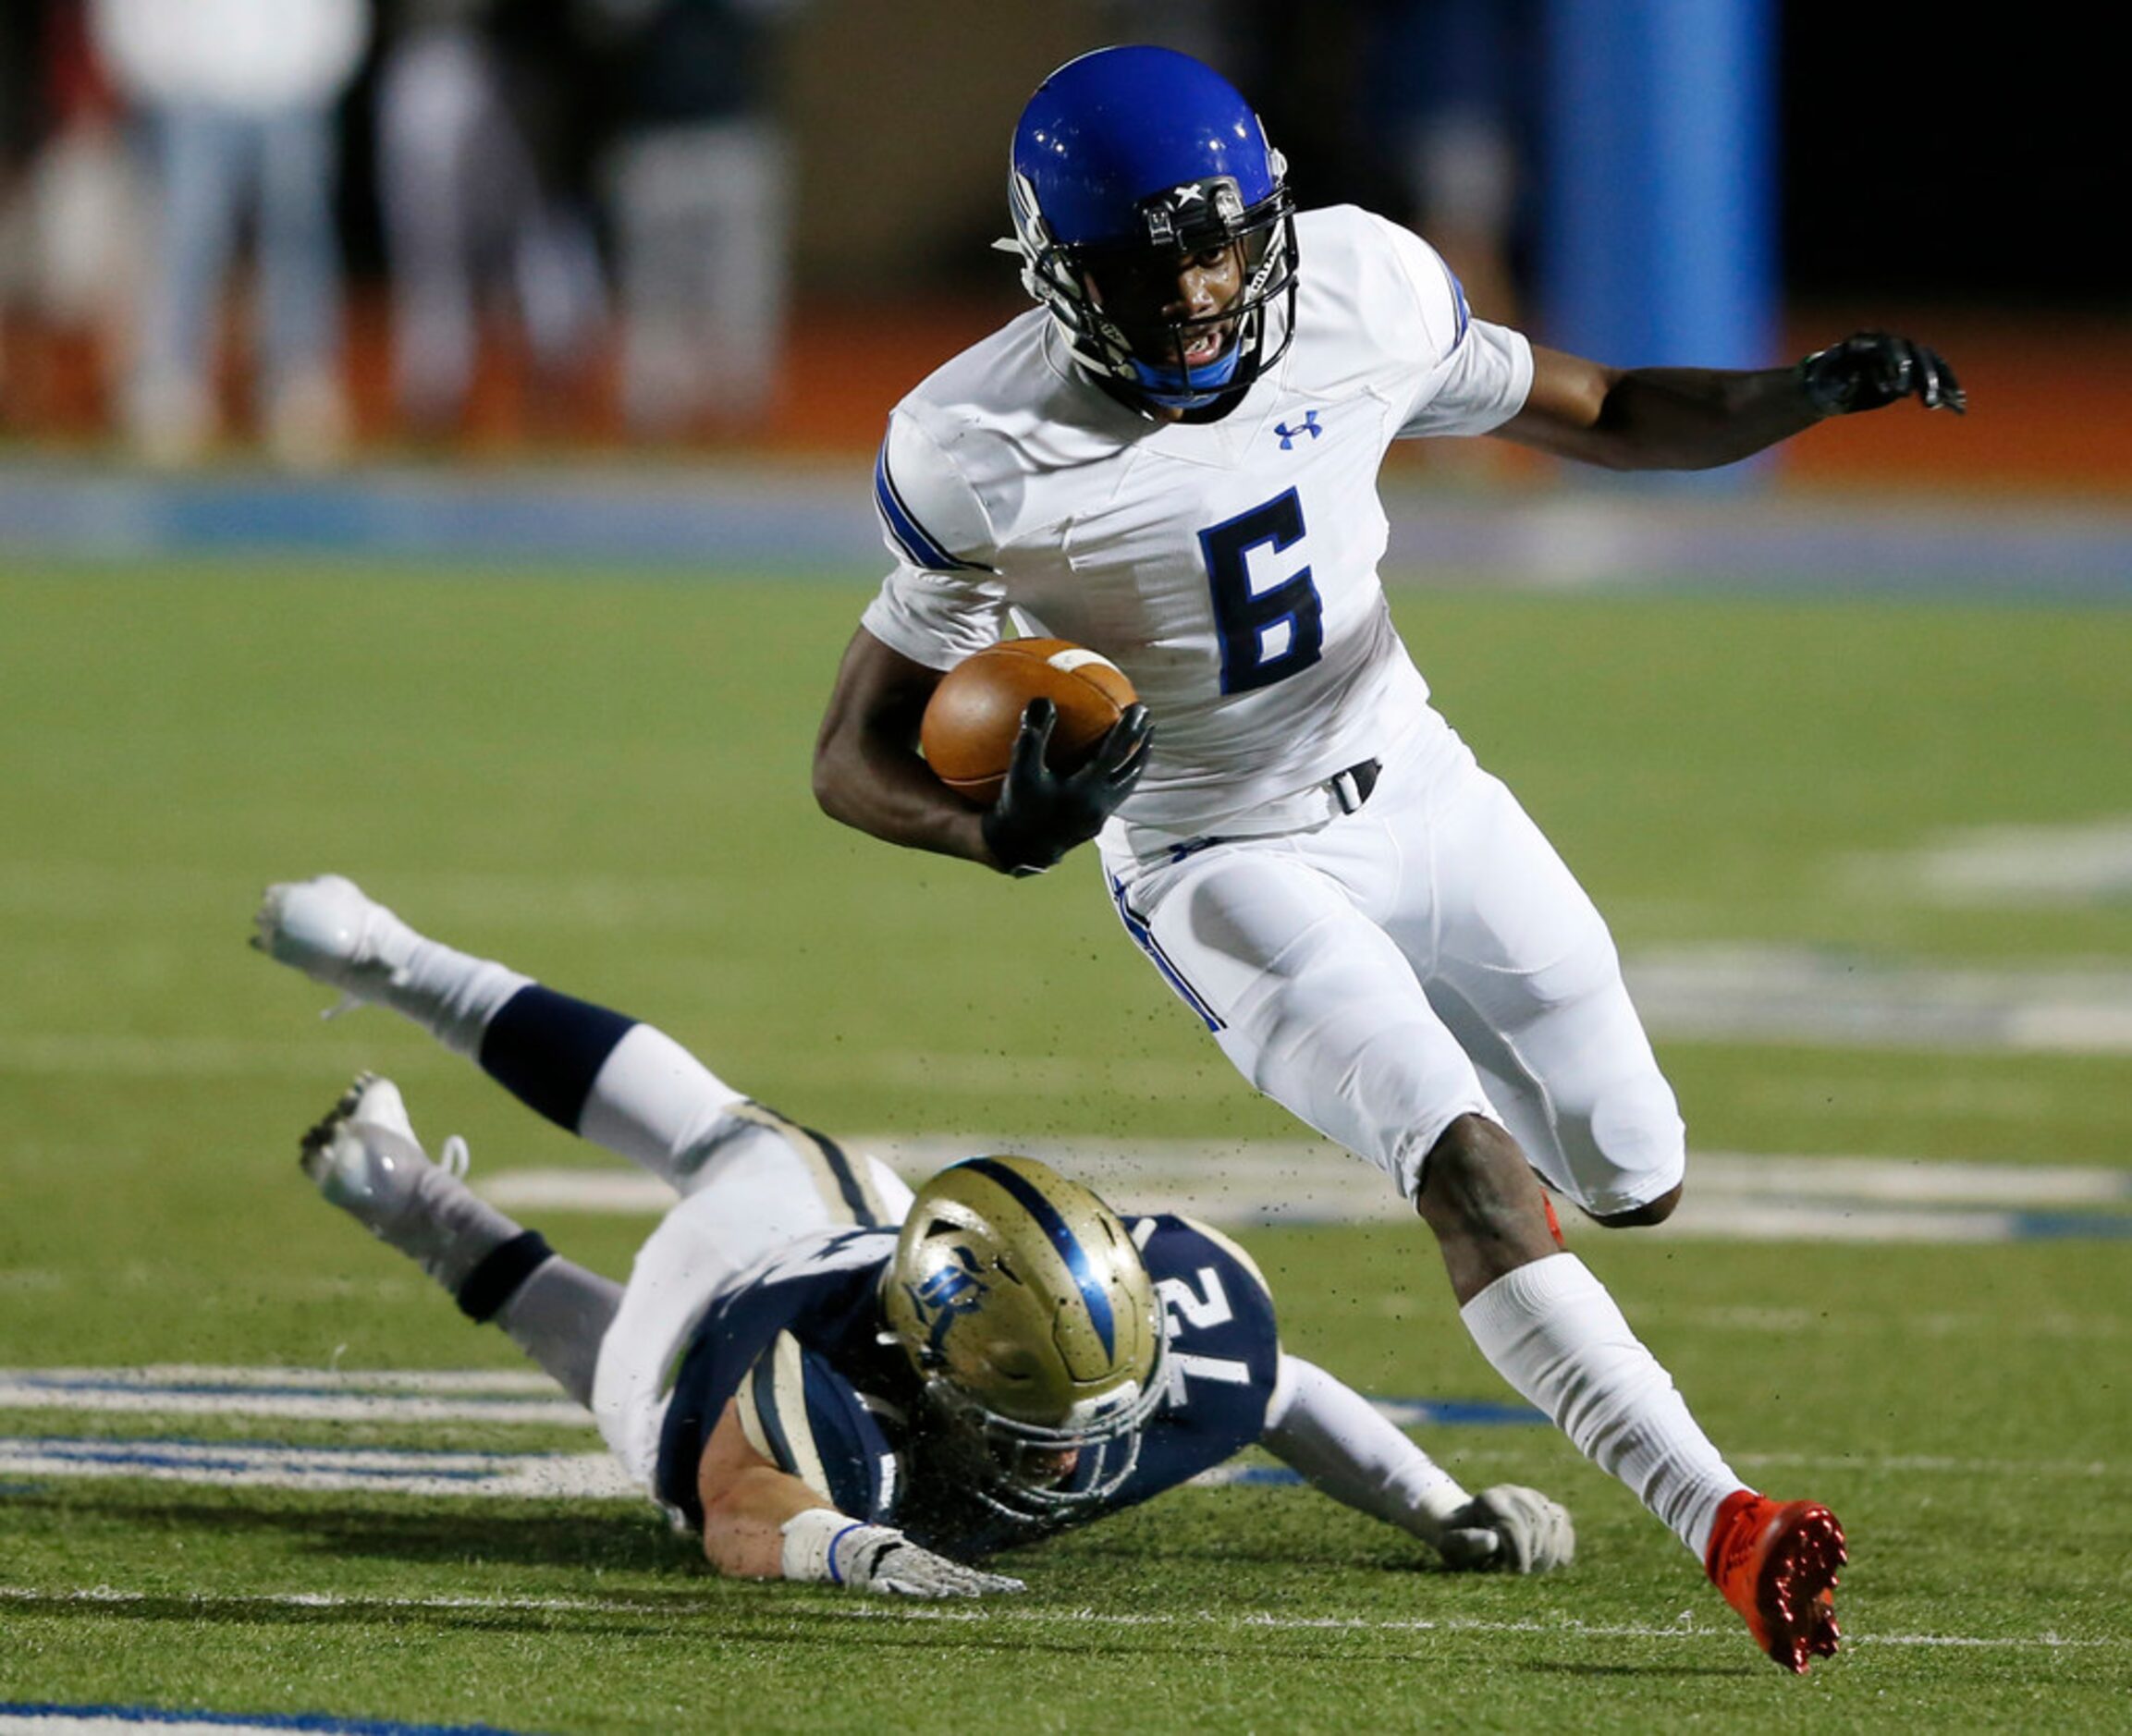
[{"x": 967, "y": 734}]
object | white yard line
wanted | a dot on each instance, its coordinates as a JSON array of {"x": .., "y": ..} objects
[
  {"x": 1731, "y": 1195},
  {"x": 470, "y": 1394},
  {"x": 2077, "y": 862},
  {"x": 594, "y": 1475},
  {"x": 24, "y": 1394},
  {"x": 453, "y": 1381},
  {"x": 1842, "y": 1001},
  {"x": 885, "y": 1609}
]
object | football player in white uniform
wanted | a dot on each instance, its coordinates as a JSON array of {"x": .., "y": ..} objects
[
  {"x": 820, "y": 1375},
  {"x": 1172, "y": 459}
]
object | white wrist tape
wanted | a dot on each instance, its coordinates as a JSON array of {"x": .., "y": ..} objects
[{"x": 809, "y": 1551}]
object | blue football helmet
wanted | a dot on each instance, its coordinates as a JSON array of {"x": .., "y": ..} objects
[{"x": 1129, "y": 164}]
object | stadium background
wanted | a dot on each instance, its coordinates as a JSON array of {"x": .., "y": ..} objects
[
  {"x": 1940, "y": 178},
  {"x": 1837, "y": 741}
]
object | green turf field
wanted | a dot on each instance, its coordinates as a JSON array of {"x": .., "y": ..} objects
[{"x": 602, "y": 779}]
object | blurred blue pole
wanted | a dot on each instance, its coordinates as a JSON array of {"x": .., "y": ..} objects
[{"x": 1657, "y": 228}]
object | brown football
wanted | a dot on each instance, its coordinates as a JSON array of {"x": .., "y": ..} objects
[{"x": 968, "y": 731}]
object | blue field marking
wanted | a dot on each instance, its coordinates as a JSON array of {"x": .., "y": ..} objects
[
  {"x": 214, "y": 1459},
  {"x": 2070, "y": 1226},
  {"x": 774, "y": 522},
  {"x": 119, "y": 1381},
  {"x": 713, "y": 519},
  {"x": 1455, "y": 1412},
  {"x": 270, "y": 1464},
  {"x": 1235, "y": 1476},
  {"x": 461, "y": 1396},
  {"x": 27, "y": 1715}
]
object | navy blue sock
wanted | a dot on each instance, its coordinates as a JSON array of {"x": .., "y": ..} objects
[
  {"x": 547, "y": 1049},
  {"x": 496, "y": 1279}
]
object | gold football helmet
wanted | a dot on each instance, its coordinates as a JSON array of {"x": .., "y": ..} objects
[{"x": 1030, "y": 1316}]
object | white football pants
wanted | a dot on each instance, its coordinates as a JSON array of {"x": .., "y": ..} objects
[
  {"x": 1384, "y": 971},
  {"x": 751, "y": 1183}
]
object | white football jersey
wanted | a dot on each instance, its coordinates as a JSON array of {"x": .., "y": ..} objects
[{"x": 1228, "y": 568}]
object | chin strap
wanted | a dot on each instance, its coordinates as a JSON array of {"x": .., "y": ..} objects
[{"x": 1173, "y": 390}]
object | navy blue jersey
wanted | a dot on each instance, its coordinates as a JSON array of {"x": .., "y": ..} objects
[
  {"x": 822, "y": 1296},
  {"x": 800, "y": 1347}
]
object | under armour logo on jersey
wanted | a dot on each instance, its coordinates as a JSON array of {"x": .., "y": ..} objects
[{"x": 1289, "y": 437}]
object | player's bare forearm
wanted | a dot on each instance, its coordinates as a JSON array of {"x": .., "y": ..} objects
[
  {"x": 872, "y": 784},
  {"x": 746, "y": 1503},
  {"x": 762, "y": 1523},
  {"x": 868, "y": 773},
  {"x": 1657, "y": 419},
  {"x": 743, "y": 1533},
  {"x": 1694, "y": 418}
]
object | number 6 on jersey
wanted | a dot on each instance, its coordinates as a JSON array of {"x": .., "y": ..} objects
[{"x": 1267, "y": 635}]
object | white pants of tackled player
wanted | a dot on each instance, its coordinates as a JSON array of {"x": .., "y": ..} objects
[{"x": 1383, "y": 971}]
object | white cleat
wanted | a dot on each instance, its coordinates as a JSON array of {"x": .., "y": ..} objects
[
  {"x": 335, "y": 934},
  {"x": 365, "y": 1158}
]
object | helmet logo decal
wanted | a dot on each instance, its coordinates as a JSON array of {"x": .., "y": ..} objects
[
  {"x": 1063, "y": 1241},
  {"x": 946, "y": 1295},
  {"x": 1194, "y": 210}
]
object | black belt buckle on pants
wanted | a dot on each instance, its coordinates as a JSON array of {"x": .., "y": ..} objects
[{"x": 1351, "y": 788}]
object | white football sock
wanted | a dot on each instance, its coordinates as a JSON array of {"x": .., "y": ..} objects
[
  {"x": 651, "y": 1101},
  {"x": 449, "y": 993},
  {"x": 1551, "y": 1330}
]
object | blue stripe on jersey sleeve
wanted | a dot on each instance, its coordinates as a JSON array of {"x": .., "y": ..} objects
[{"x": 918, "y": 546}]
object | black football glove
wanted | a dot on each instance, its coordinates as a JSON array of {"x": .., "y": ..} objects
[
  {"x": 1872, "y": 370},
  {"x": 1041, "y": 814}
]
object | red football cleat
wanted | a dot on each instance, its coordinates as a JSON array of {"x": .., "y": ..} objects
[{"x": 1776, "y": 1563}]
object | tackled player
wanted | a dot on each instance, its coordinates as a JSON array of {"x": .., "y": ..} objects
[
  {"x": 1172, "y": 460},
  {"x": 822, "y": 1375}
]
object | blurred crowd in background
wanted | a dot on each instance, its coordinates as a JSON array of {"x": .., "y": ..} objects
[
  {"x": 607, "y": 177},
  {"x": 203, "y": 203},
  {"x": 312, "y": 229}
]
